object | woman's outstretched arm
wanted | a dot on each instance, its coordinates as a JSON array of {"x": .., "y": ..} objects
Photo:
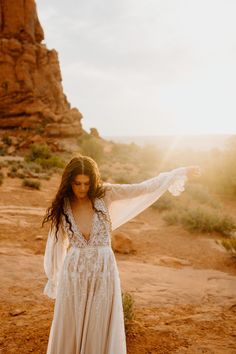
[{"x": 125, "y": 201}]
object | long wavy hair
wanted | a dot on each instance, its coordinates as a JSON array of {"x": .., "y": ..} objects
[{"x": 80, "y": 165}]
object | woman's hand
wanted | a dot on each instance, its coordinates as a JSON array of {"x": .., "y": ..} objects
[{"x": 194, "y": 171}]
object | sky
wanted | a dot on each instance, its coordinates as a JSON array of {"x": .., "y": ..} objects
[{"x": 146, "y": 67}]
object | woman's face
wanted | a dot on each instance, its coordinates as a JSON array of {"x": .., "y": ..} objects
[{"x": 80, "y": 186}]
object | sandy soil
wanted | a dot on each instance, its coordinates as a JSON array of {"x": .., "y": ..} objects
[{"x": 183, "y": 284}]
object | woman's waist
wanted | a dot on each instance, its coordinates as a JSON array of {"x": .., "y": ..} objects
[
  {"x": 89, "y": 256},
  {"x": 89, "y": 248}
]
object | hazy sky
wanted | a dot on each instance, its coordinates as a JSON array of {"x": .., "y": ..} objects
[{"x": 146, "y": 67}]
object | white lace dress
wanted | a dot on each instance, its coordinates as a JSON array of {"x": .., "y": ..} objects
[{"x": 83, "y": 276}]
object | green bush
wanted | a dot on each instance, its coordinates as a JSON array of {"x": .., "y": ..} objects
[
  {"x": 128, "y": 304},
  {"x": 42, "y": 156},
  {"x": 31, "y": 183},
  {"x": 3, "y": 151},
  {"x": 12, "y": 174},
  {"x": 7, "y": 140},
  {"x": 165, "y": 202},
  {"x": 38, "y": 151},
  {"x": 33, "y": 166},
  {"x": 14, "y": 168},
  {"x": 3, "y": 164},
  {"x": 53, "y": 161},
  {"x": 172, "y": 218},
  {"x": 202, "y": 219}
]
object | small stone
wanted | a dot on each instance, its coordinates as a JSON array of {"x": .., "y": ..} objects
[
  {"x": 122, "y": 243},
  {"x": 39, "y": 238},
  {"x": 17, "y": 312}
]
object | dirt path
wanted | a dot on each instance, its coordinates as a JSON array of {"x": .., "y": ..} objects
[{"x": 183, "y": 285}]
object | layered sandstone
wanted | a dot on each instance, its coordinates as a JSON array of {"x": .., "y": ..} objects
[{"x": 31, "y": 93}]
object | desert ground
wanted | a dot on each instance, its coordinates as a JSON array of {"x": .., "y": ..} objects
[{"x": 183, "y": 284}]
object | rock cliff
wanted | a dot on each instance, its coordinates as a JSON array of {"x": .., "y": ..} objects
[{"x": 31, "y": 93}]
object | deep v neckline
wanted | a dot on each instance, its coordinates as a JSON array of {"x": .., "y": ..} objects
[{"x": 77, "y": 227}]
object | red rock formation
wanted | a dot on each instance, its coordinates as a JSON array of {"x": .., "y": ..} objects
[
  {"x": 94, "y": 132},
  {"x": 31, "y": 93}
]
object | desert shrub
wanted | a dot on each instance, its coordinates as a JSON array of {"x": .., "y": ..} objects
[
  {"x": 3, "y": 151},
  {"x": 1, "y": 178},
  {"x": 165, "y": 202},
  {"x": 172, "y": 217},
  {"x": 38, "y": 151},
  {"x": 230, "y": 245},
  {"x": 11, "y": 162},
  {"x": 128, "y": 308},
  {"x": 4, "y": 164},
  {"x": 11, "y": 174},
  {"x": 41, "y": 155},
  {"x": 31, "y": 183},
  {"x": 7, "y": 140},
  {"x": 53, "y": 161},
  {"x": 15, "y": 172},
  {"x": 21, "y": 164},
  {"x": 14, "y": 168},
  {"x": 21, "y": 175},
  {"x": 33, "y": 166},
  {"x": 17, "y": 169},
  {"x": 202, "y": 219}
]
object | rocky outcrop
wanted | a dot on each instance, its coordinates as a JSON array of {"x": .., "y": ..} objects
[
  {"x": 122, "y": 243},
  {"x": 94, "y": 132},
  {"x": 31, "y": 93}
]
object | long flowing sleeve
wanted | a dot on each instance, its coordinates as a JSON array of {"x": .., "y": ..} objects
[
  {"x": 125, "y": 201},
  {"x": 54, "y": 256}
]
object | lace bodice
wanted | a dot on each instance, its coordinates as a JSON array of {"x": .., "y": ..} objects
[{"x": 100, "y": 234}]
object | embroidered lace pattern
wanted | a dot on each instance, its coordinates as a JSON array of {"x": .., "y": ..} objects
[
  {"x": 89, "y": 264},
  {"x": 88, "y": 272},
  {"x": 101, "y": 228}
]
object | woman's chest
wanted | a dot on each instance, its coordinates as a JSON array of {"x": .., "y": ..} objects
[
  {"x": 92, "y": 231},
  {"x": 84, "y": 221}
]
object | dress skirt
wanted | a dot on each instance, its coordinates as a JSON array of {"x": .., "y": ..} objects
[{"x": 88, "y": 312}]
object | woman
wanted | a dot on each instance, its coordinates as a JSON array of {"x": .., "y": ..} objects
[{"x": 79, "y": 261}]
